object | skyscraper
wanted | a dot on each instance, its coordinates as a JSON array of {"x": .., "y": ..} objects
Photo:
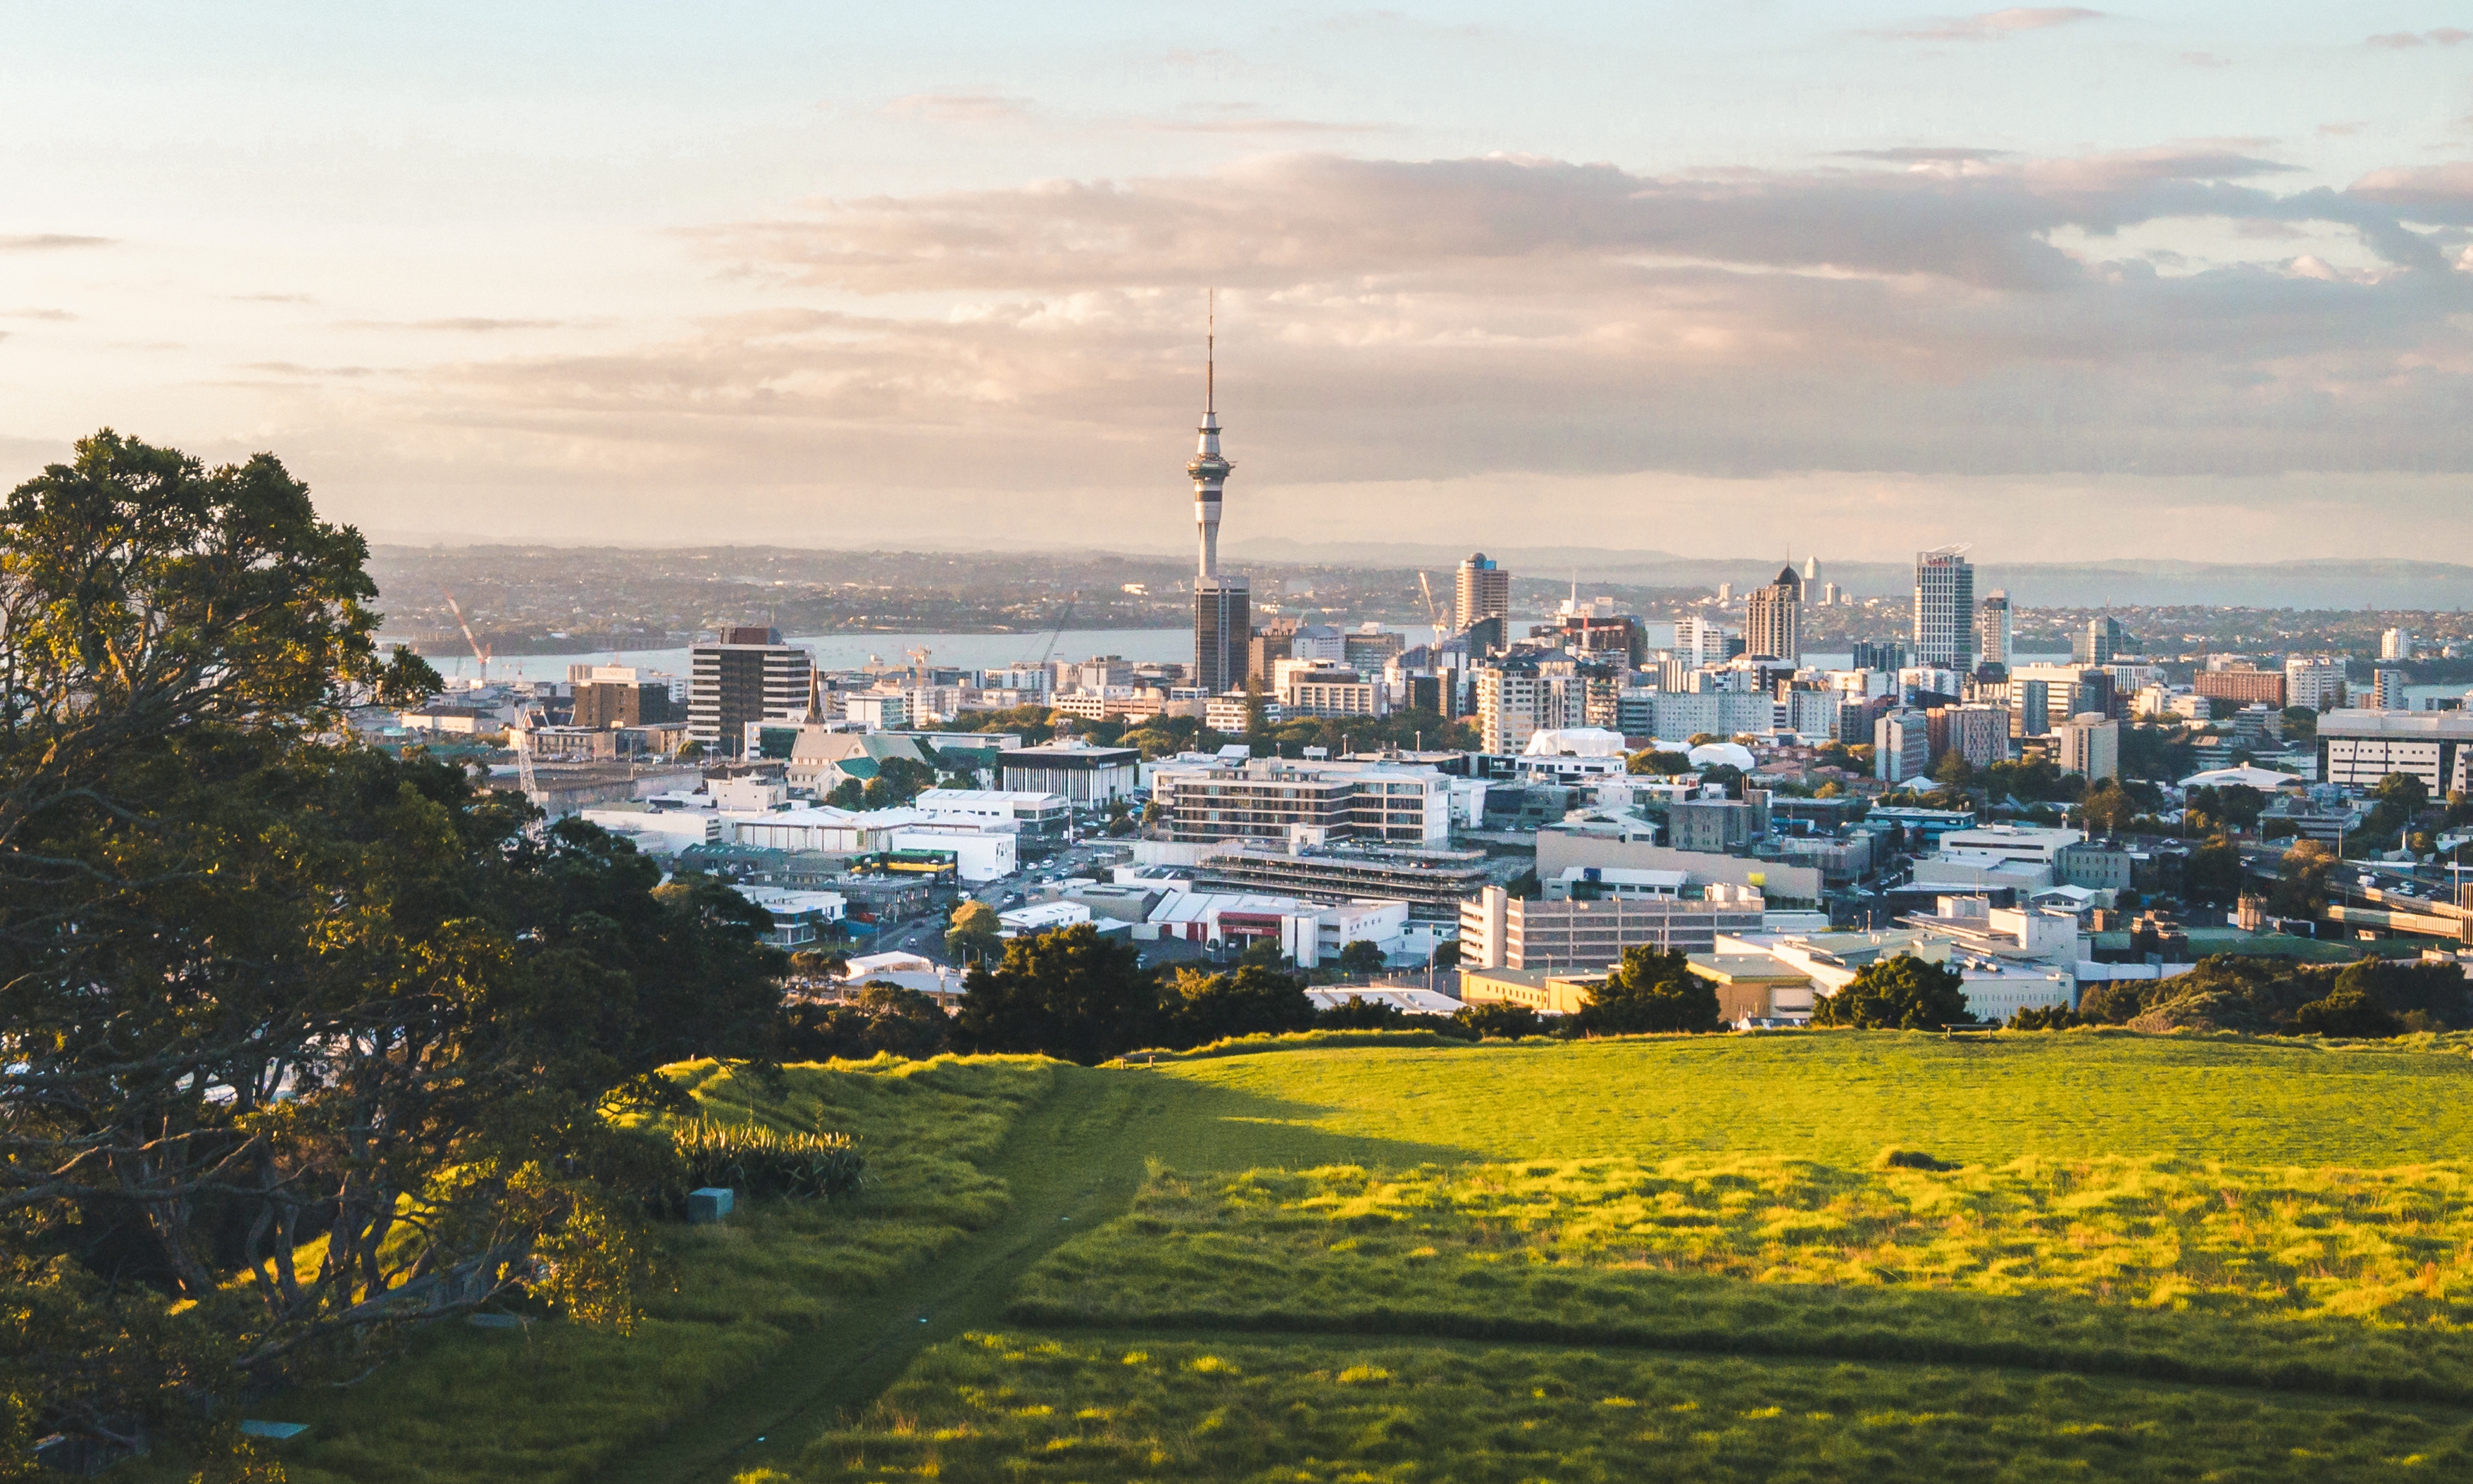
[
  {"x": 1484, "y": 592},
  {"x": 1773, "y": 619},
  {"x": 1945, "y": 609},
  {"x": 750, "y": 676},
  {"x": 1992, "y": 630},
  {"x": 1223, "y": 607}
]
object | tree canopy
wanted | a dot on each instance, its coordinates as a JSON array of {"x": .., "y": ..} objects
[
  {"x": 1897, "y": 993},
  {"x": 1650, "y": 991},
  {"x": 1069, "y": 994}
]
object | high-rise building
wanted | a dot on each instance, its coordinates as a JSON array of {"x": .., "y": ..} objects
[
  {"x": 749, "y": 676},
  {"x": 1223, "y": 606},
  {"x": 1901, "y": 746},
  {"x": 2397, "y": 644},
  {"x": 1773, "y": 619},
  {"x": 2318, "y": 684},
  {"x": 1810, "y": 570},
  {"x": 2100, "y": 641},
  {"x": 1484, "y": 592},
  {"x": 2387, "y": 691},
  {"x": 1519, "y": 696},
  {"x": 1829, "y": 596},
  {"x": 1945, "y": 609},
  {"x": 1993, "y": 634},
  {"x": 1884, "y": 654}
]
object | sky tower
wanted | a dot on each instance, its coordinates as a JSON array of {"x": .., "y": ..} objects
[{"x": 1223, "y": 615}]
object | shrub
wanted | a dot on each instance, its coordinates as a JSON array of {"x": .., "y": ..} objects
[
  {"x": 2347, "y": 1012},
  {"x": 758, "y": 1162},
  {"x": 1901, "y": 994},
  {"x": 1491, "y": 1021},
  {"x": 1357, "y": 1014},
  {"x": 1651, "y": 991}
]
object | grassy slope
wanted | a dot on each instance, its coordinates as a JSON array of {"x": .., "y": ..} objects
[
  {"x": 561, "y": 1402},
  {"x": 1839, "y": 1099},
  {"x": 1132, "y": 1407}
]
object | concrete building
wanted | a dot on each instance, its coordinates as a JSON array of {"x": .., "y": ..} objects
[
  {"x": 748, "y": 676},
  {"x": 1978, "y": 733},
  {"x": 611, "y": 696},
  {"x": 2313, "y": 682},
  {"x": 1484, "y": 592},
  {"x": 1039, "y": 817},
  {"x": 1721, "y": 825},
  {"x": 878, "y": 711},
  {"x": 1332, "y": 692},
  {"x": 1223, "y": 613},
  {"x": 1944, "y": 631},
  {"x": 1498, "y": 930},
  {"x": 2358, "y": 748},
  {"x": 2243, "y": 685},
  {"x": 2100, "y": 641},
  {"x": 2397, "y": 644},
  {"x": 797, "y": 919},
  {"x": 1432, "y": 882},
  {"x": 1306, "y": 933},
  {"x": 1773, "y": 618},
  {"x": 1994, "y": 637},
  {"x": 1085, "y": 775},
  {"x": 1561, "y": 847},
  {"x": 2387, "y": 689},
  {"x": 1520, "y": 695},
  {"x": 1901, "y": 746},
  {"x": 2089, "y": 744},
  {"x": 1272, "y": 798},
  {"x": 1681, "y": 715}
]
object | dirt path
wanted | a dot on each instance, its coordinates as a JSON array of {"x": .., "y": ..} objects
[{"x": 1069, "y": 1166}]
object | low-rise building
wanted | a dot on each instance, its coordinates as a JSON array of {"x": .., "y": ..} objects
[
  {"x": 2359, "y": 748},
  {"x": 797, "y": 919},
  {"x": 1273, "y": 799},
  {"x": 1432, "y": 882},
  {"x": 1085, "y": 775},
  {"x": 1501, "y": 931}
]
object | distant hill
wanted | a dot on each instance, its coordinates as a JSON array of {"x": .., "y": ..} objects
[{"x": 2385, "y": 584}]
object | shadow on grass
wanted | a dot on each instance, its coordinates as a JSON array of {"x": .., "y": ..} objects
[{"x": 1205, "y": 1127}]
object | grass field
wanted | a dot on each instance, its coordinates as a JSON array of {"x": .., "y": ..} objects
[
  {"x": 1370, "y": 1258},
  {"x": 1126, "y": 1408},
  {"x": 559, "y": 1402},
  {"x": 1840, "y": 1098}
]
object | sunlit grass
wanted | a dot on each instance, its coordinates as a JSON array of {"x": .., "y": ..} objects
[
  {"x": 2331, "y": 1279},
  {"x": 1114, "y": 1410}
]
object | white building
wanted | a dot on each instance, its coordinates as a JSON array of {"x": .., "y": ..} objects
[
  {"x": 2315, "y": 683},
  {"x": 878, "y": 711},
  {"x": 1901, "y": 746},
  {"x": 2089, "y": 744},
  {"x": 1308, "y": 933},
  {"x": 656, "y": 831},
  {"x": 2397, "y": 644},
  {"x": 796, "y": 918}
]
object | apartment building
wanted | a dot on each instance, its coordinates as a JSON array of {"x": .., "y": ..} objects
[
  {"x": 1433, "y": 882},
  {"x": 748, "y": 676},
  {"x": 1313, "y": 804},
  {"x": 1498, "y": 930}
]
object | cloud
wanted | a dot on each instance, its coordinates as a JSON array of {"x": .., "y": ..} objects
[
  {"x": 1991, "y": 25},
  {"x": 2348, "y": 128},
  {"x": 272, "y": 299},
  {"x": 959, "y": 107},
  {"x": 1261, "y": 126},
  {"x": 293, "y": 369},
  {"x": 35, "y": 314},
  {"x": 44, "y": 242},
  {"x": 2429, "y": 192},
  {"x": 1923, "y": 154},
  {"x": 2397, "y": 40},
  {"x": 468, "y": 323},
  {"x": 2206, "y": 60}
]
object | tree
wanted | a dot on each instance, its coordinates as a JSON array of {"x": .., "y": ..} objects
[
  {"x": 885, "y": 1017},
  {"x": 1726, "y": 775},
  {"x": 1501, "y": 1021},
  {"x": 1447, "y": 954},
  {"x": 1657, "y": 763},
  {"x": 1899, "y": 994},
  {"x": 848, "y": 794},
  {"x": 898, "y": 781},
  {"x": 975, "y": 933},
  {"x": 1651, "y": 991},
  {"x": 1069, "y": 993},
  {"x": 1954, "y": 770},
  {"x": 2107, "y": 808},
  {"x": 2404, "y": 790},
  {"x": 1361, "y": 960},
  {"x": 2212, "y": 875},
  {"x": 329, "y": 1017},
  {"x": 819, "y": 964},
  {"x": 1196, "y": 1009},
  {"x": 1258, "y": 715},
  {"x": 2300, "y": 889},
  {"x": 2347, "y": 1012},
  {"x": 1358, "y": 1014}
]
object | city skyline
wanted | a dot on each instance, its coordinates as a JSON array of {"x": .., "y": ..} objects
[{"x": 543, "y": 278}]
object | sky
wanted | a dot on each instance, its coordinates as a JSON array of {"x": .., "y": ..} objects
[{"x": 1717, "y": 280}]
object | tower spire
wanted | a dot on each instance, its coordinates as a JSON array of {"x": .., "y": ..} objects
[{"x": 1210, "y": 354}]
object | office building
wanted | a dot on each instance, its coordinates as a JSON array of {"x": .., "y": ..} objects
[
  {"x": 1498, "y": 930},
  {"x": 1885, "y": 654},
  {"x": 1978, "y": 733},
  {"x": 608, "y": 696},
  {"x": 1719, "y": 827},
  {"x": 1944, "y": 632},
  {"x": 2089, "y": 744},
  {"x": 1484, "y": 592},
  {"x": 2100, "y": 641},
  {"x": 1302, "y": 803},
  {"x": 2356, "y": 748},
  {"x": 1521, "y": 695},
  {"x": 2316, "y": 682},
  {"x": 1223, "y": 605},
  {"x": 1773, "y": 619},
  {"x": 2241, "y": 684},
  {"x": 1700, "y": 643},
  {"x": 2397, "y": 644},
  {"x": 2069, "y": 688},
  {"x": 749, "y": 676},
  {"x": 1993, "y": 634},
  {"x": 1432, "y": 882},
  {"x": 2387, "y": 690},
  {"x": 1829, "y": 596},
  {"x": 1901, "y": 746},
  {"x": 1083, "y": 774}
]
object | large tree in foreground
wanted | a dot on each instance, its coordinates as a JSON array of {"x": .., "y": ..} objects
[
  {"x": 1651, "y": 991},
  {"x": 1902, "y": 993},
  {"x": 277, "y": 1008},
  {"x": 1069, "y": 993}
]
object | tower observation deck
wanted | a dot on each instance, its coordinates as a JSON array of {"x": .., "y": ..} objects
[{"x": 1223, "y": 620}]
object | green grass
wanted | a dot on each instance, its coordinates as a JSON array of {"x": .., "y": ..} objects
[
  {"x": 2356, "y": 1282},
  {"x": 1131, "y": 1409},
  {"x": 559, "y": 1402},
  {"x": 1838, "y": 1098}
]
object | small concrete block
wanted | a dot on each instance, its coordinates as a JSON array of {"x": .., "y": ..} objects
[
  {"x": 710, "y": 1204},
  {"x": 275, "y": 1430}
]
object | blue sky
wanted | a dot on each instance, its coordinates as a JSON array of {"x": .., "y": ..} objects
[{"x": 2185, "y": 281}]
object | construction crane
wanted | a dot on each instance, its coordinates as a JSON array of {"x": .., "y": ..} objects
[
  {"x": 478, "y": 652},
  {"x": 1433, "y": 610},
  {"x": 1064, "y": 616},
  {"x": 919, "y": 667}
]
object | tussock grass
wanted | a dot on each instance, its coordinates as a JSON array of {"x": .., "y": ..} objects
[
  {"x": 1839, "y": 1098},
  {"x": 1011, "y": 1406},
  {"x": 557, "y": 1403},
  {"x": 2340, "y": 1280}
]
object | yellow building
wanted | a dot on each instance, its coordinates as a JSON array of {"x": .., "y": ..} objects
[
  {"x": 1542, "y": 990},
  {"x": 1753, "y": 986}
]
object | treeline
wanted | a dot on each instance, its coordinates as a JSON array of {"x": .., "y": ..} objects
[
  {"x": 301, "y": 1043},
  {"x": 2368, "y": 998}
]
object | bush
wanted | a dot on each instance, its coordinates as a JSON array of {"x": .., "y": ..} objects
[
  {"x": 1650, "y": 992},
  {"x": 2347, "y": 1012},
  {"x": 761, "y": 1163},
  {"x": 1360, "y": 1015},
  {"x": 1196, "y": 1008},
  {"x": 886, "y": 1017},
  {"x": 2044, "y": 1017},
  {"x": 1495, "y": 1020}
]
